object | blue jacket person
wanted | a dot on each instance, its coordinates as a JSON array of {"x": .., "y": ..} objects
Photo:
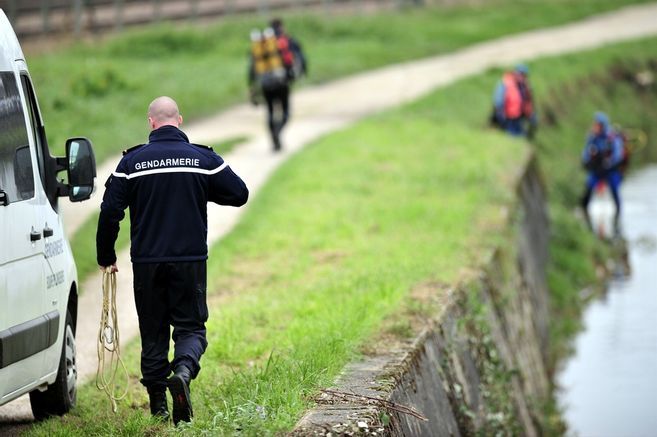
[
  {"x": 274, "y": 82},
  {"x": 602, "y": 157},
  {"x": 167, "y": 184}
]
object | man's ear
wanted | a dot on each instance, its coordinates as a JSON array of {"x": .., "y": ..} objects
[{"x": 180, "y": 119}]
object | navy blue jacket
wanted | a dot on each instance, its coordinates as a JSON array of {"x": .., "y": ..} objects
[
  {"x": 603, "y": 152},
  {"x": 166, "y": 184}
]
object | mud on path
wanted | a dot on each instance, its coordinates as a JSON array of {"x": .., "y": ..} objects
[{"x": 317, "y": 111}]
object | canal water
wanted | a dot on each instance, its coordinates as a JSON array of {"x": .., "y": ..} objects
[{"x": 608, "y": 387}]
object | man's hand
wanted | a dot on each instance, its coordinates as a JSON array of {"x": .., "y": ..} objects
[{"x": 109, "y": 269}]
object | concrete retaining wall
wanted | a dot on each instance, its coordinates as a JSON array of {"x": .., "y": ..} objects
[{"x": 478, "y": 365}]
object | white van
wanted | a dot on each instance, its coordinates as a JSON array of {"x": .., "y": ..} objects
[{"x": 38, "y": 279}]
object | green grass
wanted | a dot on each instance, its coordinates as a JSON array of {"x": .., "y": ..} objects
[
  {"x": 331, "y": 247},
  {"x": 102, "y": 89}
]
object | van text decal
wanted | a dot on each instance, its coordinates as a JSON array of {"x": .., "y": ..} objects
[
  {"x": 54, "y": 248},
  {"x": 55, "y": 279}
]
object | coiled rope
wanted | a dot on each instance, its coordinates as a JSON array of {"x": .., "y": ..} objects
[
  {"x": 636, "y": 139},
  {"x": 108, "y": 345}
]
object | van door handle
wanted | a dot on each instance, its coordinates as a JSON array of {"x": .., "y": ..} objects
[
  {"x": 48, "y": 232},
  {"x": 34, "y": 235}
]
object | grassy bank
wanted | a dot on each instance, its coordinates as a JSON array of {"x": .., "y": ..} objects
[
  {"x": 617, "y": 91},
  {"x": 334, "y": 244}
]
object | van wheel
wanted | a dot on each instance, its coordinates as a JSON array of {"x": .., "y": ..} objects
[{"x": 60, "y": 396}]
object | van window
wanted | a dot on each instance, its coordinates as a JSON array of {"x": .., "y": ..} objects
[
  {"x": 37, "y": 131},
  {"x": 16, "y": 174}
]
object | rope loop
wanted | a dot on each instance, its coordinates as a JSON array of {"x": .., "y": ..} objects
[{"x": 110, "y": 363}]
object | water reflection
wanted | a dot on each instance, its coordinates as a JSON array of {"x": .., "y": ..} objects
[{"x": 609, "y": 386}]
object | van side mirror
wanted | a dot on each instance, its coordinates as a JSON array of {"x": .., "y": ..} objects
[{"x": 81, "y": 167}]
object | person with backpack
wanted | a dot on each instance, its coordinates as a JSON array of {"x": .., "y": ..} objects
[
  {"x": 603, "y": 158},
  {"x": 513, "y": 103},
  {"x": 277, "y": 60}
]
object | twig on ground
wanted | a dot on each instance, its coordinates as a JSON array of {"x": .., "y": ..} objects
[{"x": 370, "y": 400}]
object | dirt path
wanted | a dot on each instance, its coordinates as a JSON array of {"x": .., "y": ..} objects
[{"x": 320, "y": 110}]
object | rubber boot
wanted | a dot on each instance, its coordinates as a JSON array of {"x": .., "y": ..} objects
[
  {"x": 276, "y": 138},
  {"x": 277, "y": 143},
  {"x": 158, "y": 402},
  {"x": 584, "y": 203},
  {"x": 276, "y": 135},
  {"x": 179, "y": 388},
  {"x": 618, "y": 233}
]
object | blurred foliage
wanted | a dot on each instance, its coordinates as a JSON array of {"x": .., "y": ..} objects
[
  {"x": 101, "y": 88},
  {"x": 98, "y": 81},
  {"x": 162, "y": 42}
]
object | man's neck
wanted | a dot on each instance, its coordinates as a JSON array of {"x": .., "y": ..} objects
[{"x": 164, "y": 125}]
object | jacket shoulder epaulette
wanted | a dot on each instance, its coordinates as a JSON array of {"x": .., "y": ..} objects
[
  {"x": 202, "y": 146},
  {"x": 132, "y": 149}
]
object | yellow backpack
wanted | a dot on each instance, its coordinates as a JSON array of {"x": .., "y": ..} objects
[{"x": 267, "y": 61}]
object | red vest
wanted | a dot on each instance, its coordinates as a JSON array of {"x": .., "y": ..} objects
[{"x": 512, "y": 97}]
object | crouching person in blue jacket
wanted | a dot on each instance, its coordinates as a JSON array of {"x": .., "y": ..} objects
[
  {"x": 603, "y": 157},
  {"x": 167, "y": 184}
]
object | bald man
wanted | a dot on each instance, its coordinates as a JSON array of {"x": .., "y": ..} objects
[{"x": 167, "y": 183}]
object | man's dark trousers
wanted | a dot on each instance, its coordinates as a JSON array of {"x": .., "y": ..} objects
[
  {"x": 277, "y": 97},
  {"x": 170, "y": 294}
]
